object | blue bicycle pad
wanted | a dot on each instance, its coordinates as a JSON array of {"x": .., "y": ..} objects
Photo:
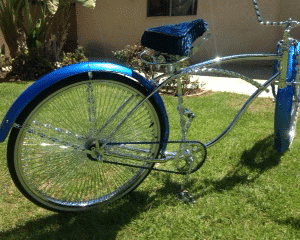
[{"x": 175, "y": 39}]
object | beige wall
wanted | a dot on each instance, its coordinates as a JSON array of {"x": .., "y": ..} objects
[{"x": 113, "y": 24}]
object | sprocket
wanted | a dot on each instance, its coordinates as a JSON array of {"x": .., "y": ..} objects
[{"x": 190, "y": 157}]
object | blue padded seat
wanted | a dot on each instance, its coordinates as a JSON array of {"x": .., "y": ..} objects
[{"x": 175, "y": 39}]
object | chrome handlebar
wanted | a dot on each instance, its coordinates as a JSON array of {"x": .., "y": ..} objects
[{"x": 288, "y": 23}]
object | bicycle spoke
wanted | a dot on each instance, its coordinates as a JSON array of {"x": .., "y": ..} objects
[
  {"x": 55, "y": 149},
  {"x": 91, "y": 108},
  {"x": 113, "y": 116}
]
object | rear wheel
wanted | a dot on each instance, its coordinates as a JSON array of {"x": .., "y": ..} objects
[{"x": 48, "y": 149}]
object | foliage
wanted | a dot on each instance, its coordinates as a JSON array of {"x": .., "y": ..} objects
[
  {"x": 32, "y": 66},
  {"x": 131, "y": 57},
  {"x": 72, "y": 57},
  {"x": 5, "y": 63},
  {"x": 187, "y": 86},
  {"x": 36, "y": 30},
  {"x": 40, "y": 24}
]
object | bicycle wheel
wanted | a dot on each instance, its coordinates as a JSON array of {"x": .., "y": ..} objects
[
  {"x": 286, "y": 108},
  {"x": 46, "y": 156}
]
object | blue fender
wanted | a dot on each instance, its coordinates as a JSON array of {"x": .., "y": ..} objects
[
  {"x": 283, "y": 106},
  {"x": 62, "y": 73}
]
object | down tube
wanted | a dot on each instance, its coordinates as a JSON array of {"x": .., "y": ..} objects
[{"x": 241, "y": 111}]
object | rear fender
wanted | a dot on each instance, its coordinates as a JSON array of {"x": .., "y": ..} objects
[{"x": 75, "y": 69}]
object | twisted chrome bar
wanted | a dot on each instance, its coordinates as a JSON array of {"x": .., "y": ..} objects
[
  {"x": 241, "y": 57},
  {"x": 203, "y": 67},
  {"x": 289, "y": 22}
]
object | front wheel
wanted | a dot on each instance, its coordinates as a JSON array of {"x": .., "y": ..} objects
[
  {"x": 49, "y": 148},
  {"x": 286, "y": 108},
  {"x": 286, "y": 112}
]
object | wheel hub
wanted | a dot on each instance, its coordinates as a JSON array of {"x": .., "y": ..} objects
[{"x": 94, "y": 152}]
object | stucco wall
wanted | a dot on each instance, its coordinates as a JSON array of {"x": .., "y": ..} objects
[{"x": 113, "y": 24}]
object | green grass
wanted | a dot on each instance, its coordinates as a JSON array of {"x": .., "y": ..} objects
[{"x": 245, "y": 190}]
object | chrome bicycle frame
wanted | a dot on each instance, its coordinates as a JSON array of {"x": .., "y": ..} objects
[{"x": 206, "y": 67}]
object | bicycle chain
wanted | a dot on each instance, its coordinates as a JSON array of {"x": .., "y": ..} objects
[
  {"x": 81, "y": 148},
  {"x": 143, "y": 167}
]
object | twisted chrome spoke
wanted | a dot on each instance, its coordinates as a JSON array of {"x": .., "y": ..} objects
[
  {"x": 90, "y": 108},
  {"x": 113, "y": 132},
  {"x": 121, "y": 107}
]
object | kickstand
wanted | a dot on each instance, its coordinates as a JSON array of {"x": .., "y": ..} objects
[{"x": 186, "y": 197}]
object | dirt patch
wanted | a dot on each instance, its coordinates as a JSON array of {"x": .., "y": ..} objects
[
  {"x": 258, "y": 104},
  {"x": 261, "y": 104},
  {"x": 5, "y": 77},
  {"x": 193, "y": 93},
  {"x": 202, "y": 93}
]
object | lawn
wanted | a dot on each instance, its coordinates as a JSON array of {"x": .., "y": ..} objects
[{"x": 245, "y": 190}]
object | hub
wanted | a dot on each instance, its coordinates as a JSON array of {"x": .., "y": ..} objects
[{"x": 93, "y": 145}]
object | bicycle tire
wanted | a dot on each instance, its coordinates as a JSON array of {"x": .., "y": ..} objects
[
  {"x": 60, "y": 178},
  {"x": 286, "y": 107}
]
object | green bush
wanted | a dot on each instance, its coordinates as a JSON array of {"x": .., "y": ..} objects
[
  {"x": 32, "y": 66},
  {"x": 73, "y": 57},
  {"x": 130, "y": 56}
]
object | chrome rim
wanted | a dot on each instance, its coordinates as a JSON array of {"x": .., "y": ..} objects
[{"x": 55, "y": 173}]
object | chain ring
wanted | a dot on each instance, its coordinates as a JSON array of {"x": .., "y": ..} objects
[{"x": 190, "y": 158}]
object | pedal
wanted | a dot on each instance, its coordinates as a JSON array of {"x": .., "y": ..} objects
[
  {"x": 188, "y": 113},
  {"x": 186, "y": 197}
]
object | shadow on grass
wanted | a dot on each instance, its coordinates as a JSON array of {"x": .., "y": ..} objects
[
  {"x": 93, "y": 224},
  {"x": 290, "y": 221},
  {"x": 254, "y": 162},
  {"x": 107, "y": 222},
  {"x": 102, "y": 223}
]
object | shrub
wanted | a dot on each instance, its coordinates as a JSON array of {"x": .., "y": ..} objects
[
  {"x": 32, "y": 66},
  {"x": 35, "y": 33},
  {"x": 130, "y": 56},
  {"x": 72, "y": 57}
]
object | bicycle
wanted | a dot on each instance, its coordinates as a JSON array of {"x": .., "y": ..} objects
[{"x": 90, "y": 133}]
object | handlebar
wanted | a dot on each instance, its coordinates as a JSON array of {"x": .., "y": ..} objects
[{"x": 288, "y": 23}]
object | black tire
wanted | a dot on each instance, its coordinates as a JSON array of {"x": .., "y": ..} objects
[{"x": 44, "y": 152}]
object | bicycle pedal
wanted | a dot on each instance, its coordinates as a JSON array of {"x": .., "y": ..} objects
[{"x": 186, "y": 197}]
